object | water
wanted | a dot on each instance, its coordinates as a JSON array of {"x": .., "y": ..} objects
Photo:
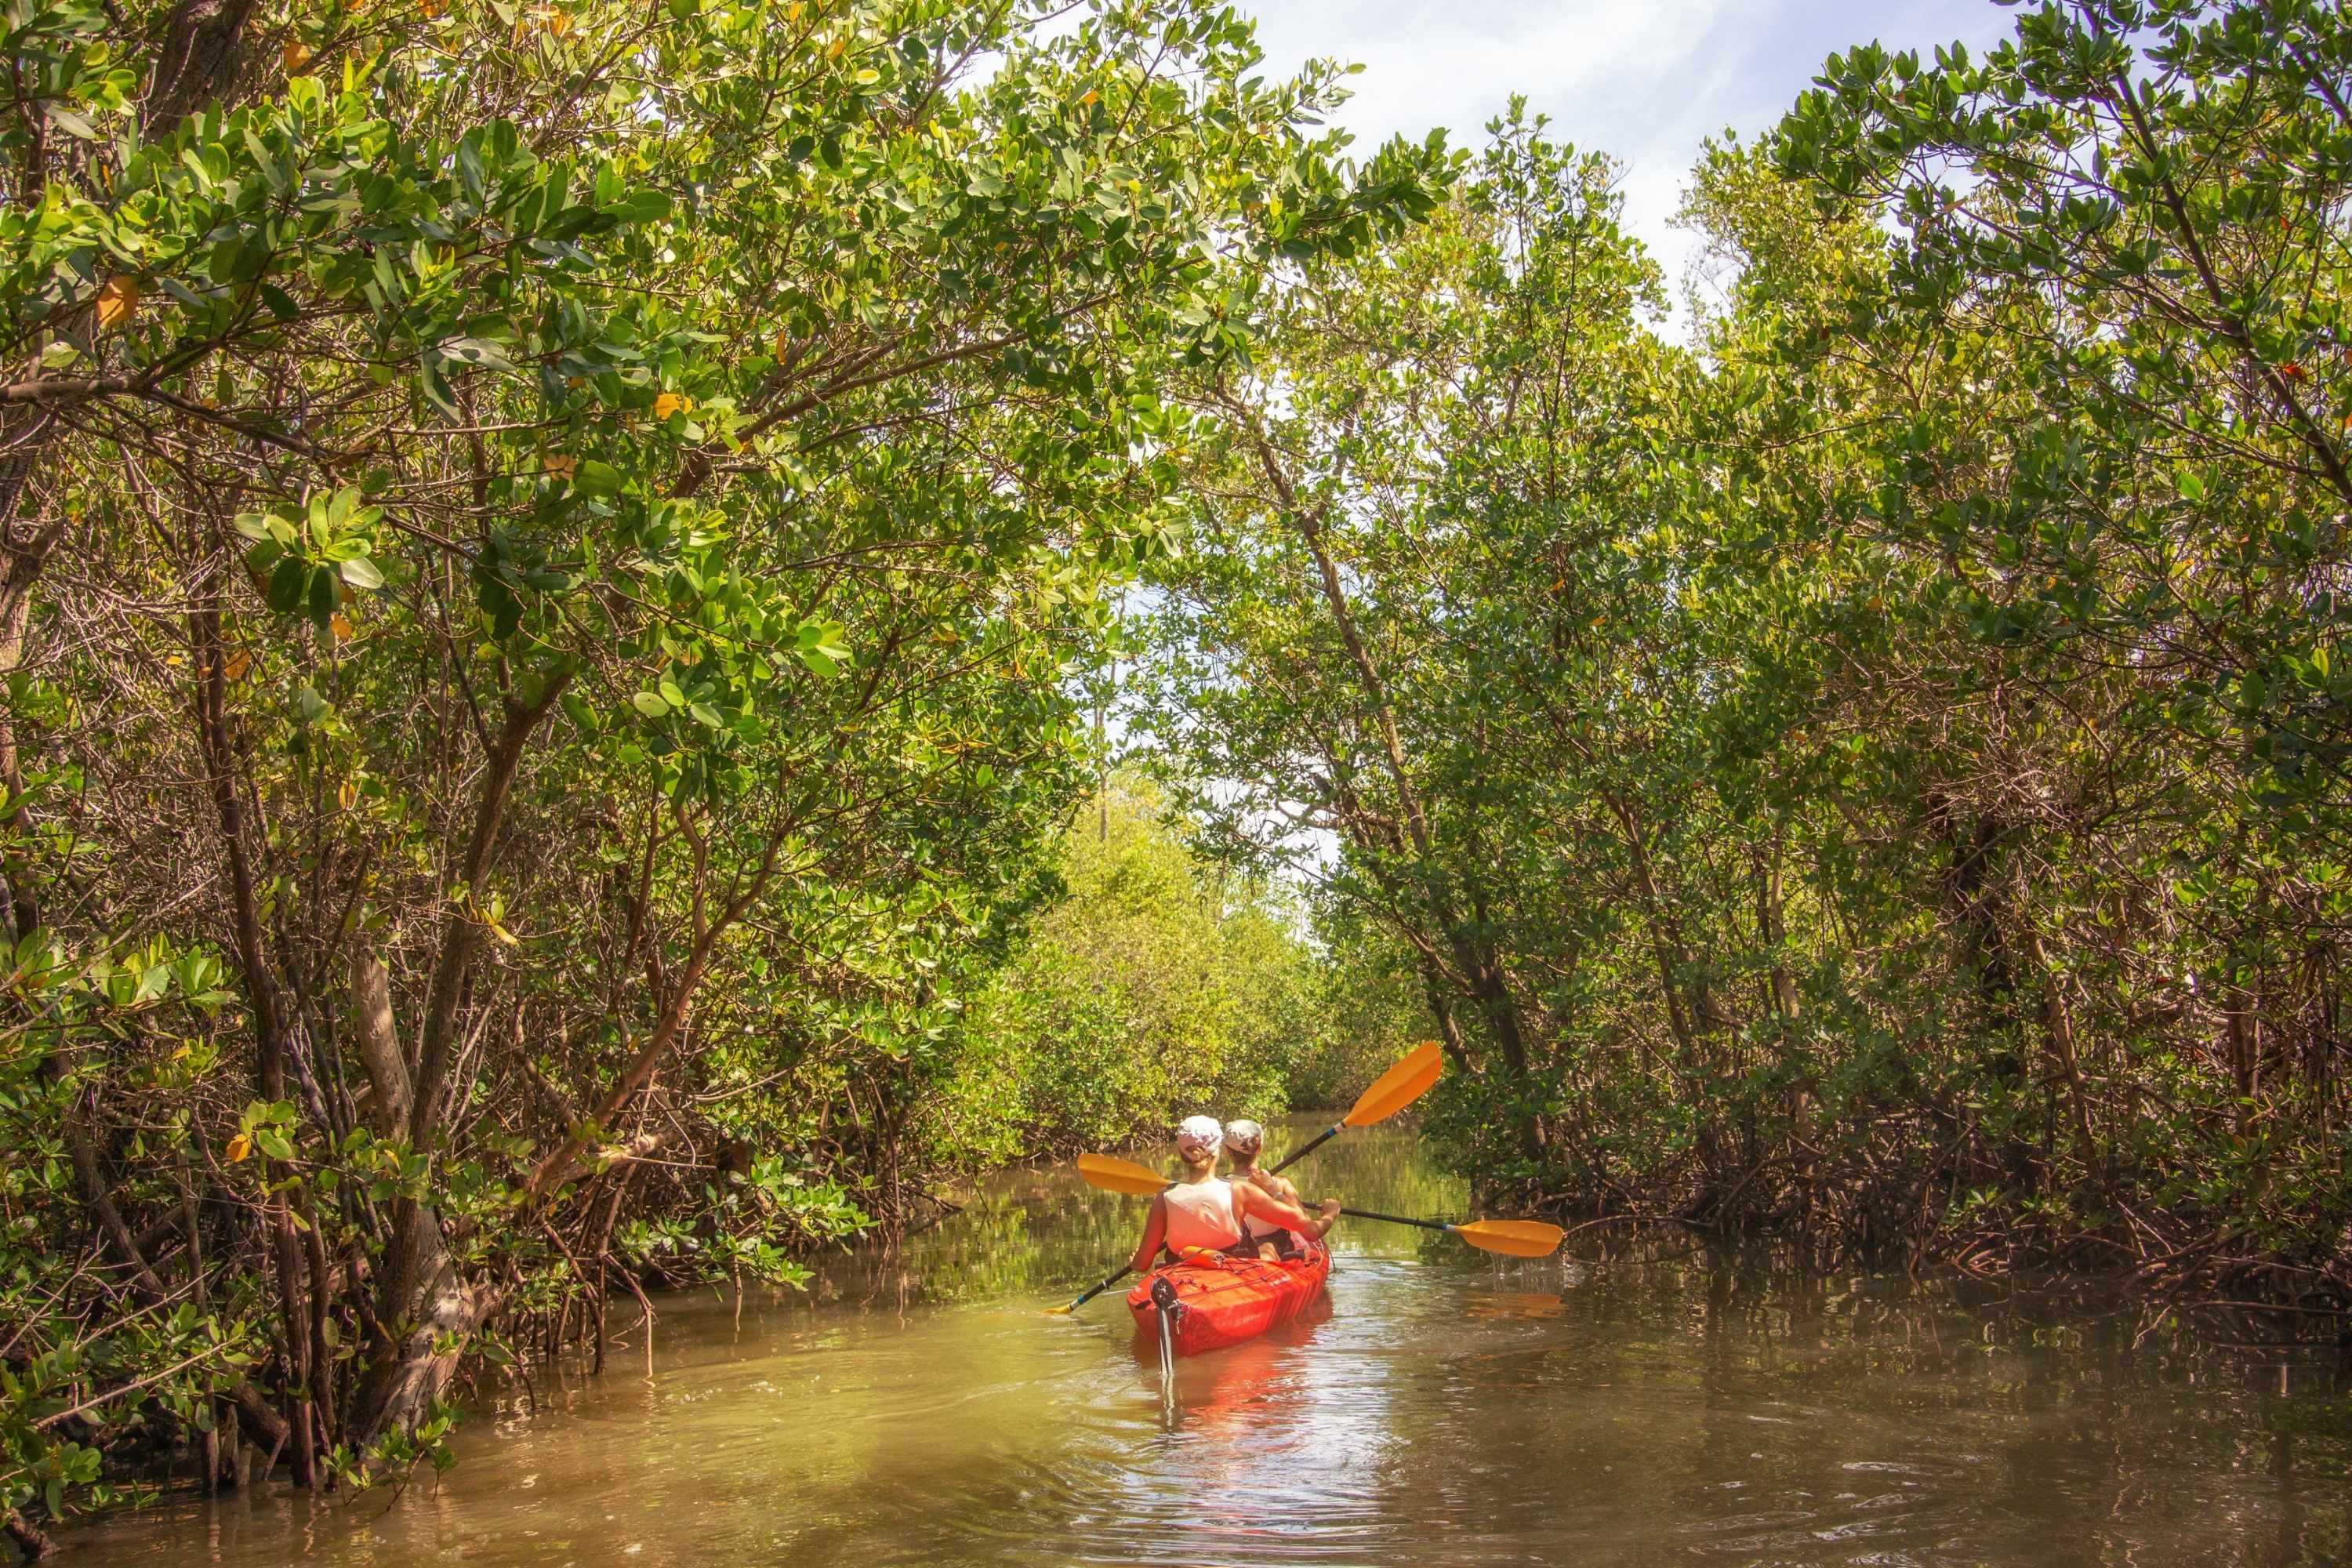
[{"x": 1662, "y": 1407}]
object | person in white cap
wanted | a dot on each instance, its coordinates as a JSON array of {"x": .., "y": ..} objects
[
  {"x": 1244, "y": 1141},
  {"x": 1201, "y": 1212}
]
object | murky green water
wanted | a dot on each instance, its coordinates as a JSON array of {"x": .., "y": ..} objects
[{"x": 1448, "y": 1408}]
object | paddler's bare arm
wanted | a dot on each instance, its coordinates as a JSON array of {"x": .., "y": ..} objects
[
  {"x": 1280, "y": 1186},
  {"x": 1155, "y": 1231},
  {"x": 1258, "y": 1203}
]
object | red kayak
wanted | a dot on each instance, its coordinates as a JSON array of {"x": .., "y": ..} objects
[{"x": 1220, "y": 1300}]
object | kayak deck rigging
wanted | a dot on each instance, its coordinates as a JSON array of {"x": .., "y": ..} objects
[{"x": 1221, "y": 1299}]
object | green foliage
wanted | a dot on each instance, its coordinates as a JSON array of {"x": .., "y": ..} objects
[
  {"x": 60, "y": 1372},
  {"x": 553, "y": 560},
  {"x": 1881, "y": 771},
  {"x": 545, "y": 552},
  {"x": 1157, "y": 987}
]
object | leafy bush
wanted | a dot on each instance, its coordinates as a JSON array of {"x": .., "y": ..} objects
[{"x": 1160, "y": 985}]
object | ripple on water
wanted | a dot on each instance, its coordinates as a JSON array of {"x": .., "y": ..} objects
[{"x": 1446, "y": 1410}]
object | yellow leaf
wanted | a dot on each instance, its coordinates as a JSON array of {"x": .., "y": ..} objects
[
  {"x": 558, "y": 22},
  {"x": 670, "y": 403},
  {"x": 833, "y": 51},
  {"x": 429, "y": 8},
  {"x": 239, "y": 1148},
  {"x": 238, "y": 663},
  {"x": 297, "y": 53},
  {"x": 792, "y": 11},
  {"x": 1089, "y": 97},
  {"x": 563, "y": 465},
  {"x": 119, "y": 301}
]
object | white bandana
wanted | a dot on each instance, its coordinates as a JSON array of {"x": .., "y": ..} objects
[{"x": 1200, "y": 1134}]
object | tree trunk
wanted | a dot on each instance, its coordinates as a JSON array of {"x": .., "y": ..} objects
[
  {"x": 202, "y": 49},
  {"x": 379, "y": 1043},
  {"x": 21, "y": 569},
  {"x": 428, "y": 1310},
  {"x": 1448, "y": 1031},
  {"x": 28, "y": 1537},
  {"x": 261, "y": 986},
  {"x": 433, "y": 1314},
  {"x": 1972, "y": 900},
  {"x": 1771, "y": 927},
  {"x": 1488, "y": 988},
  {"x": 462, "y": 932},
  {"x": 1666, "y": 948},
  {"x": 2240, "y": 1031},
  {"x": 2059, "y": 1016}
]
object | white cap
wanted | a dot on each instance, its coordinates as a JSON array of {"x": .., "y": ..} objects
[
  {"x": 1200, "y": 1133},
  {"x": 1248, "y": 1132}
]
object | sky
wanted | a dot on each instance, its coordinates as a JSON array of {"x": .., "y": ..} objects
[{"x": 1645, "y": 81}]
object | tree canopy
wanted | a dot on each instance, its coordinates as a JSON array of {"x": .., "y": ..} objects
[
  {"x": 544, "y": 549},
  {"x": 554, "y": 560},
  {"x": 1875, "y": 770}
]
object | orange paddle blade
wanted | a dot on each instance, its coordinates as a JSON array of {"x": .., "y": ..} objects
[
  {"x": 1399, "y": 1086},
  {"x": 1120, "y": 1176},
  {"x": 1512, "y": 1238}
]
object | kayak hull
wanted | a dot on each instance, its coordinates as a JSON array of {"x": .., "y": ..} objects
[{"x": 1222, "y": 1301}]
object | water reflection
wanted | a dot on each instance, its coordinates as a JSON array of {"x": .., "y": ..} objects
[{"x": 1651, "y": 1405}]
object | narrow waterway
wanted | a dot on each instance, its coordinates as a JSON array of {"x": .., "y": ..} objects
[{"x": 1673, "y": 1406}]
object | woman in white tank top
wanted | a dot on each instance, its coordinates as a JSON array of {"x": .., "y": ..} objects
[
  {"x": 1200, "y": 1214},
  {"x": 1200, "y": 1211}
]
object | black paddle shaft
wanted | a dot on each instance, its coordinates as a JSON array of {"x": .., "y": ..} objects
[
  {"x": 1310, "y": 1146},
  {"x": 1391, "y": 1218},
  {"x": 1106, "y": 1285}
]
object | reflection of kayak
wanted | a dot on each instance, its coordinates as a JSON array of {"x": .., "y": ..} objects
[{"x": 1221, "y": 1300}]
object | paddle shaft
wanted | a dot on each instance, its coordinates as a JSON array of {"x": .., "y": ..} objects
[
  {"x": 1125, "y": 1271},
  {"x": 1310, "y": 1146},
  {"x": 1397, "y": 1219},
  {"x": 1507, "y": 1238}
]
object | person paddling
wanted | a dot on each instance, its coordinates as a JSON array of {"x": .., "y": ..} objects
[
  {"x": 1203, "y": 1211},
  {"x": 1244, "y": 1141}
]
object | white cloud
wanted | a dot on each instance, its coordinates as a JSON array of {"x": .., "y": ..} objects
[
  {"x": 1454, "y": 64},
  {"x": 1645, "y": 81}
]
